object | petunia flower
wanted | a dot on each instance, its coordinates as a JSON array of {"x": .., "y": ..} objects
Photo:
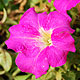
[
  {"x": 63, "y": 5},
  {"x": 41, "y": 40}
]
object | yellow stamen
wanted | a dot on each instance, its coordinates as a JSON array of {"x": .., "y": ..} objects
[{"x": 46, "y": 37}]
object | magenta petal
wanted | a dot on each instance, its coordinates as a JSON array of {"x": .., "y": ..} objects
[
  {"x": 42, "y": 18},
  {"x": 56, "y": 57},
  {"x": 26, "y": 46},
  {"x": 21, "y": 36},
  {"x": 24, "y": 30},
  {"x": 54, "y": 20},
  {"x": 37, "y": 65},
  {"x": 30, "y": 17},
  {"x": 63, "y": 5},
  {"x": 62, "y": 39},
  {"x": 49, "y": 1}
]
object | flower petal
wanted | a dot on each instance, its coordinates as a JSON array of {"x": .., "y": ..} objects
[
  {"x": 62, "y": 39},
  {"x": 49, "y": 1},
  {"x": 30, "y": 17},
  {"x": 56, "y": 57},
  {"x": 42, "y": 19},
  {"x": 37, "y": 65},
  {"x": 21, "y": 36},
  {"x": 63, "y": 5},
  {"x": 24, "y": 30},
  {"x": 54, "y": 20}
]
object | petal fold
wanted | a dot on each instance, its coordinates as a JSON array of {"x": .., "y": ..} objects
[
  {"x": 54, "y": 20},
  {"x": 62, "y": 39},
  {"x": 56, "y": 57},
  {"x": 30, "y": 17},
  {"x": 37, "y": 65}
]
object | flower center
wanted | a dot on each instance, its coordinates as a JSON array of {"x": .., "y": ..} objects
[{"x": 46, "y": 36}]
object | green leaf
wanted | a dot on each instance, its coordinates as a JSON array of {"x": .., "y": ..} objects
[
  {"x": 6, "y": 2},
  {"x": 20, "y": 77},
  {"x": 33, "y": 78},
  {"x": 23, "y": 77},
  {"x": 77, "y": 75},
  {"x": 10, "y": 21},
  {"x": 1, "y": 78},
  {"x": 69, "y": 76},
  {"x": 2, "y": 72},
  {"x": 1, "y": 6},
  {"x": 16, "y": 72},
  {"x": 5, "y": 60},
  {"x": 58, "y": 75},
  {"x": 4, "y": 16},
  {"x": 34, "y": 2}
]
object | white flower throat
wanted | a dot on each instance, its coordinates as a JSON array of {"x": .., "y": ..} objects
[{"x": 46, "y": 36}]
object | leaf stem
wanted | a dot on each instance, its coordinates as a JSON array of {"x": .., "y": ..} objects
[{"x": 3, "y": 4}]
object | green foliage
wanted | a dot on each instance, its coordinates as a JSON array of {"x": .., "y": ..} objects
[
  {"x": 69, "y": 76},
  {"x": 6, "y": 2},
  {"x": 5, "y": 60},
  {"x": 1, "y": 6},
  {"x": 24, "y": 77},
  {"x": 10, "y": 13}
]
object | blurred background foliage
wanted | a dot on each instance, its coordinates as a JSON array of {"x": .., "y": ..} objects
[{"x": 10, "y": 14}]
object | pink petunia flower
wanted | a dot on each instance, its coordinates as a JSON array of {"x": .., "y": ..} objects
[
  {"x": 41, "y": 40},
  {"x": 63, "y": 5}
]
